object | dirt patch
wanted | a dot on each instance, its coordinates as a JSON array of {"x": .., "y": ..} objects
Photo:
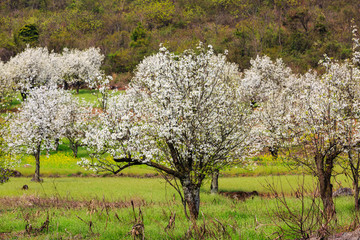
[
  {"x": 355, "y": 235},
  {"x": 240, "y": 195},
  {"x": 12, "y": 110},
  {"x": 12, "y": 235},
  {"x": 55, "y": 202}
]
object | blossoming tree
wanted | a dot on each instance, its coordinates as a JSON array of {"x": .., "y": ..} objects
[
  {"x": 34, "y": 67},
  {"x": 38, "y": 123},
  {"x": 323, "y": 112},
  {"x": 314, "y": 117},
  {"x": 5, "y": 161},
  {"x": 76, "y": 116},
  {"x": 6, "y": 95},
  {"x": 182, "y": 114},
  {"x": 80, "y": 67},
  {"x": 266, "y": 84},
  {"x": 7, "y": 92},
  {"x": 348, "y": 73}
]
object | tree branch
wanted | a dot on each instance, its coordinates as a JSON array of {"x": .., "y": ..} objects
[{"x": 150, "y": 164}]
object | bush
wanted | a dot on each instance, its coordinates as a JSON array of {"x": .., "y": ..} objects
[{"x": 29, "y": 33}]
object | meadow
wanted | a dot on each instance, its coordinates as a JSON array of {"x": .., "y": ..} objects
[
  {"x": 85, "y": 205},
  {"x": 73, "y": 203}
]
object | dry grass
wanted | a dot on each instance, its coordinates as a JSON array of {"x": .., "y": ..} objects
[{"x": 31, "y": 201}]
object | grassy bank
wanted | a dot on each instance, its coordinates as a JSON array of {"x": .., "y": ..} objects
[{"x": 73, "y": 202}]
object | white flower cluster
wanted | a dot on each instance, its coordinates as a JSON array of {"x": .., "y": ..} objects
[
  {"x": 265, "y": 77},
  {"x": 42, "y": 119},
  {"x": 78, "y": 66},
  {"x": 6, "y": 87},
  {"x": 88, "y": 165},
  {"x": 318, "y": 112},
  {"x": 181, "y": 111},
  {"x": 35, "y": 67},
  {"x": 6, "y": 163}
]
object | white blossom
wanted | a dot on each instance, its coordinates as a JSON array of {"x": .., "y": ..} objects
[
  {"x": 7, "y": 92},
  {"x": 32, "y": 68},
  {"x": 39, "y": 123},
  {"x": 80, "y": 67},
  {"x": 40, "y": 120},
  {"x": 35, "y": 67},
  {"x": 182, "y": 114}
]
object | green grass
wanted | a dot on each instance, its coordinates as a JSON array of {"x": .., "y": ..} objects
[
  {"x": 98, "y": 198},
  {"x": 88, "y": 95},
  {"x": 62, "y": 163},
  {"x": 156, "y": 200},
  {"x": 91, "y": 96},
  {"x": 148, "y": 188}
]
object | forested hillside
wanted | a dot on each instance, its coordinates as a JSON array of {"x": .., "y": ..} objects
[{"x": 299, "y": 31}]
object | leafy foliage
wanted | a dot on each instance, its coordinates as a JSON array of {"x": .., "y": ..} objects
[
  {"x": 29, "y": 33},
  {"x": 299, "y": 32}
]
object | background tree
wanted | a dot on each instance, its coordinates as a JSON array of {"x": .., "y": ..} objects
[
  {"x": 265, "y": 83},
  {"x": 29, "y": 34},
  {"x": 7, "y": 88},
  {"x": 5, "y": 160},
  {"x": 34, "y": 67},
  {"x": 76, "y": 116},
  {"x": 348, "y": 73},
  {"x": 39, "y": 122},
  {"x": 317, "y": 126},
  {"x": 80, "y": 67},
  {"x": 182, "y": 115}
]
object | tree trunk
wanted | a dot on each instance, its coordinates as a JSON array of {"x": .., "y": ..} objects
[
  {"x": 57, "y": 143},
  {"x": 354, "y": 167},
  {"x": 274, "y": 152},
  {"x": 324, "y": 177},
  {"x": 23, "y": 95},
  {"x": 74, "y": 148},
  {"x": 36, "y": 177},
  {"x": 66, "y": 85},
  {"x": 326, "y": 197},
  {"x": 77, "y": 85},
  {"x": 192, "y": 197},
  {"x": 356, "y": 192},
  {"x": 215, "y": 182}
]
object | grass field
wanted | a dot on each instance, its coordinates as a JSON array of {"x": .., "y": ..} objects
[
  {"x": 72, "y": 202},
  {"x": 82, "y": 204},
  {"x": 75, "y": 203}
]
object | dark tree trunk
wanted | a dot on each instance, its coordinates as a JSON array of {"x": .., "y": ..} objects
[
  {"x": 77, "y": 85},
  {"x": 57, "y": 142},
  {"x": 214, "y": 188},
  {"x": 324, "y": 176},
  {"x": 66, "y": 85},
  {"x": 354, "y": 167},
  {"x": 356, "y": 192},
  {"x": 191, "y": 196},
  {"x": 326, "y": 196},
  {"x": 274, "y": 151},
  {"x": 36, "y": 177},
  {"x": 23, "y": 96},
  {"x": 74, "y": 148}
]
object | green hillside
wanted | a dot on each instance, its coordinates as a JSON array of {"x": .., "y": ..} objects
[{"x": 299, "y": 31}]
